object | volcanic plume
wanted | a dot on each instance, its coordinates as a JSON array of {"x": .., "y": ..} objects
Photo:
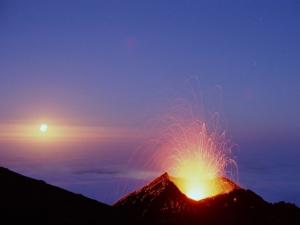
[
  {"x": 196, "y": 157},
  {"x": 197, "y": 191}
]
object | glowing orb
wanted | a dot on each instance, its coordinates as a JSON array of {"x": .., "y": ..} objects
[{"x": 44, "y": 128}]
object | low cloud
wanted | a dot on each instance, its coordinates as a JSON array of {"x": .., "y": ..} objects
[{"x": 97, "y": 171}]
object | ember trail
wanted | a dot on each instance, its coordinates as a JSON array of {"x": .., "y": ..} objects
[{"x": 199, "y": 161}]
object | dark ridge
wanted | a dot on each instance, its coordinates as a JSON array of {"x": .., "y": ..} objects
[
  {"x": 161, "y": 202},
  {"x": 25, "y": 200},
  {"x": 28, "y": 201}
]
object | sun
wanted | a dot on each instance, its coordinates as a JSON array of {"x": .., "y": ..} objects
[{"x": 43, "y": 128}]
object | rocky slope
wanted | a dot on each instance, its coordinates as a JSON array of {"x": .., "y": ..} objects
[
  {"x": 28, "y": 201},
  {"x": 161, "y": 202}
]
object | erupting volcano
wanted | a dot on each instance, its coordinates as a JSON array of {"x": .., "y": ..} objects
[
  {"x": 197, "y": 189},
  {"x": 199, "y": 159},
  {"x": 161, "y": 202}
]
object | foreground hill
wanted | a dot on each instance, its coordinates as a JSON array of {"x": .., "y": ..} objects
[
  {"x": 161, "y": 202},
  {"x": 28, "y": 201}
]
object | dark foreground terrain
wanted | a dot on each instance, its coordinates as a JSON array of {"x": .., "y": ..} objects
[
  {"x": 161, "y": 202},
  {"x": 28, "y": 201}
]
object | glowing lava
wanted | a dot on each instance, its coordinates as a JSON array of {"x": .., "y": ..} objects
[
  {"x": 196, "y": 177},
  {"x": 200, "y": 161}
]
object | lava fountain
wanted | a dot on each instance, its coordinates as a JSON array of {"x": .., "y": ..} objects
[{"x": 200, "y": 160}]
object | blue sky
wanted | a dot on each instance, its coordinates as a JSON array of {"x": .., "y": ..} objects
[{"x": 123, "y": 63}]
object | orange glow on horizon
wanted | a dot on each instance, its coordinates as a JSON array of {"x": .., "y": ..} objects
[{"x": 51, "y": 132}]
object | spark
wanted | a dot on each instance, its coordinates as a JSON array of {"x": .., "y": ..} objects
[{"x": 199, "y": 158}]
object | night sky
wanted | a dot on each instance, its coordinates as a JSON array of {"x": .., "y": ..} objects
[{"x": 100, "y": 72}]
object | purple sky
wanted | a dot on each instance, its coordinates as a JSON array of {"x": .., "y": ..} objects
[{"x": 107, "y": 69}]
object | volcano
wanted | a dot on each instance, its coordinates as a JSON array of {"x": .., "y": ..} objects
[
  {"x": 24, "y": 200},
  {"x": 161, "y": 202}
]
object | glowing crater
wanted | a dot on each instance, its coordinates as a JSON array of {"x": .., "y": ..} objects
[
  {"x": 201, "y": 189},
  {"x": 200, "y": 161}
]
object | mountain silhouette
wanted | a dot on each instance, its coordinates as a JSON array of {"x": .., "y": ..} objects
[
  {"x": 24, "y": 200},
  {"x": 28, "y": 201},
  {"x": 161, "y": 202}
]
